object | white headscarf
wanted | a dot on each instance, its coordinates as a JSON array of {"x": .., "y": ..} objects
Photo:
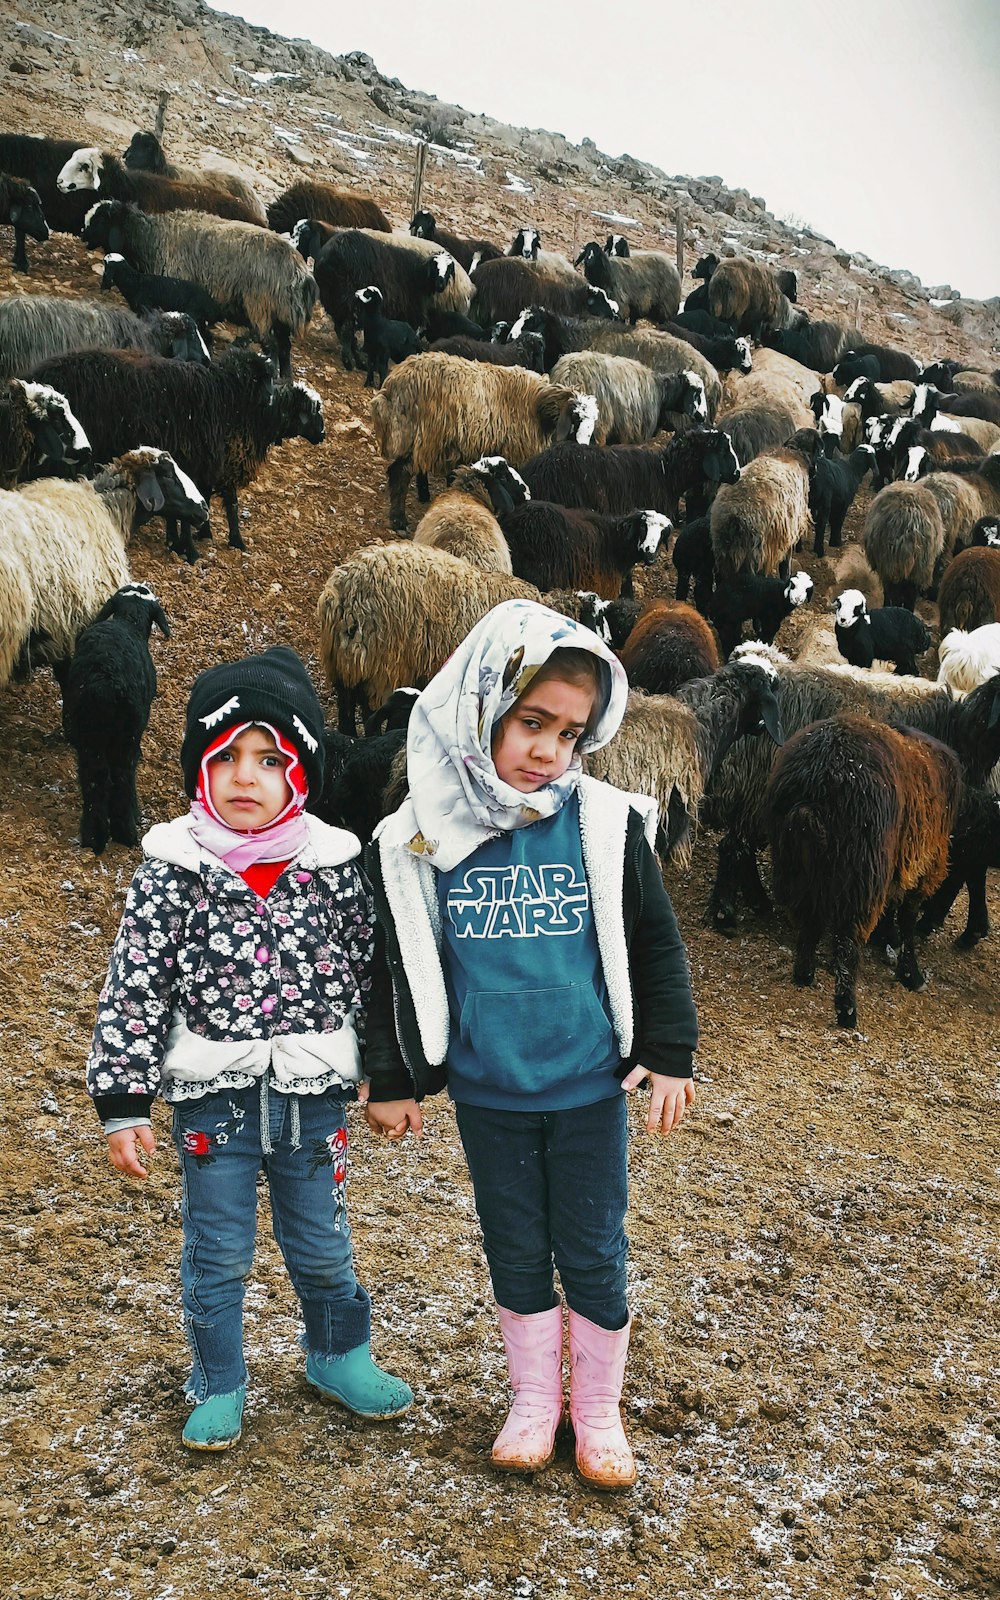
[{"x": 456, "y": 799}]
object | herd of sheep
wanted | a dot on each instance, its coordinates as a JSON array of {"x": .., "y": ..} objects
[{"x": 571, "y": 416}]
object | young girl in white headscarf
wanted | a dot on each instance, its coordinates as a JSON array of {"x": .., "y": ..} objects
[{"x": 533, "y": 965}]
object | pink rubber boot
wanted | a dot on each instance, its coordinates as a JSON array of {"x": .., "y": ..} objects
[
  {"x": 597, "y": 1371},
  {"x": 527, "y": 1440}
]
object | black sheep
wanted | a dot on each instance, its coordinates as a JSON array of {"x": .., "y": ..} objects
[
  {"x": 217, "y": 422},
  {"x": 385, "y": 340},
  {"x": 697, "y": 300},
  {"x": 407, "y": 278},
  {"x": 696, "y": 320},
  {"x": 39, "y": 161},
  {"x": 150, "y": 291},
  {"x": 892, "y": 363},
  {"x": 356, "y": 771},
  {"x": 833, "y": 485},
  {"x": 890, "y": 633},
  {"x": 611, "y": 620},
  {"x": 527, "y": 351},
  {"x": 752, "y": 597},
  {"x": 851, "y": 366},
  {"x": 724, "y": 354},
  {"x": 692, "y": 556},
  {"x": 617, "y": 478},
  {"x": 39, "y": 435},
  {"x": 108, "y": 692},
  {"x": 21, "y": 209},
  {"x": 449, "y": 325},
  {"x": 467, "y": 252},
  {"x": 555, "y": 547}
]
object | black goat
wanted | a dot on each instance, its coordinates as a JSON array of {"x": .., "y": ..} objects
[
  {"x": 385, "y": 339},
  {"x": 107, "y": 696},
  {"x": 833, "y": 485},
  {"x": 150, "y": 291},
  {"x": 890, "y": 633}
]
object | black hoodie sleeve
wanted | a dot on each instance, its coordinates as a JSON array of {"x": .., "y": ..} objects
[{"x": 666, "y": 1023}]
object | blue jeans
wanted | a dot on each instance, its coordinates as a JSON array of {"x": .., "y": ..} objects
[
  {"x": 304, "y": 1154},
  {"x": 552, "y": 1187}
]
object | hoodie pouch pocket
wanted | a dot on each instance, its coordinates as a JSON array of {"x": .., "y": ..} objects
[{"x": 529, "y": 1039}]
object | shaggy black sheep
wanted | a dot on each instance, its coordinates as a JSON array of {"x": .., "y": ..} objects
[
  {"x": 107, "y": 696},
  {"x": 408, "y": 280},
  {"x": 555, "y": 547},
  {"x": 468, "y": 252},
  {"x": 617, "y": 478},
  {"x": 21, "y": 209},
  {"x": 974, "y": 848},
  {"x": 833, "y": 485}
]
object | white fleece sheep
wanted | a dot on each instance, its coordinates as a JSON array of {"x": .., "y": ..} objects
[{"x": 968, "y": 659}]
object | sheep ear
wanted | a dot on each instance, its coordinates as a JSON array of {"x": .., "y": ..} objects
[
  {"x": 149, "y": 493},
  {"x": 994, "y": 717},
  {"x": 108, "y": 609},
  {"x": 772, "y": 718},
  {"x": 160, "y": 618},
  {"x": 502, "y": 501}
]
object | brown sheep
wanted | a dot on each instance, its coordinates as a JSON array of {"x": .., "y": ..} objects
[
  {"x": 434, "y": 412},
  {"x": 392, "y": 614},
  {"x": 344, "y": 208},
  {"x": 748, "y": 296},
  {"x": 859, "y": 816},
  {"x": 969, "y": 595},
  {"x": 461, "y": 520},
  {"x": 903, "y": 540},
  {"x": 757, "y": 522},
  {"x": 775, "y": 380},
  {"x": 670, "y": 644}
]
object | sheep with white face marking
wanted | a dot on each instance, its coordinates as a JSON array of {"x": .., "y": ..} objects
[
  {"x": 467, "y": 252},
  {"x": 62, "y": 552},
  {"x": 150, "y": 291},
  {"x": 392, "y": 614},
  {"x": 412, "y": 275},
  {"x": 967, "y": 659},
  {"x": 661, "y": 352},
  {"x": 880, "y": 399},
  {"x": 257, "y": 278},
  {"x": 38, "y": 434},
  {"x": 756, "y": 428},
  {"x": 218, "y": 422},
  {"x": 107, "y": 697},
  {"x": 838, "y": 424},
  {"x": 725, "y": 354},
  {"x": 889, "y": 633},
  {"x": 556, "y": 547},
  {"x": 35, "y": 327},
  {"x": 633, "y": 402},
  {"x": 618, "y": 477},
  {"x": 980, "y": 405},
  {"x": 438, "y": 412},
  {"x": 747, "y": 295},
  {"x": 765, "y": 602},
  {"x": 645, "y": 283},
  {"x": 670, "y": 746},
  {"x": 463, "y": 518},
  {"x": 145, "y": 154},
  {"x": 21, "y": 209},
  {"x": 506, "y": 285},
  {"x": 758, "y": 521},
  {"x": 385, "y": 339},
  {"x": 95, "y": 172}
]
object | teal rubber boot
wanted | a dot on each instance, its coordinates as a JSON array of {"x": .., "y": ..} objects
[
  {"x": 354, "y": 1381},
  {"x": 217, "y": 1422}
]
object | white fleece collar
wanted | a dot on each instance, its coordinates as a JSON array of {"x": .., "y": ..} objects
[{"x": 173, "y": 842}]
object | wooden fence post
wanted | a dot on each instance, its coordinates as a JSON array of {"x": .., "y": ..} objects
[
  {"x": 161, "y": 112},
  {"x": 418, "y": 178},
  {"x": 680, "y": 242}
]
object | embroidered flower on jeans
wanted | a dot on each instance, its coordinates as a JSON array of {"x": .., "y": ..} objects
[{"x": 197, "y": 1144}]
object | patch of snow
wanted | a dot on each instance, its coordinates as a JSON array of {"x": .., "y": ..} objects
[
  {"x": 937, "y": 304},
  {"x": 616, "y": 216},
  {"x": 264, "y": 77},
  {"x": 45, "y": 31},
  {"x": 517, "y": 185}
]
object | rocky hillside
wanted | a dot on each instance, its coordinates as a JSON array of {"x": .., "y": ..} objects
[{"x": 275, "y": 107}]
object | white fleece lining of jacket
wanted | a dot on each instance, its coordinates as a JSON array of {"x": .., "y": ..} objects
[
  {"x": 295, "y": 1059},
  {"x": 411, "y": 891}
]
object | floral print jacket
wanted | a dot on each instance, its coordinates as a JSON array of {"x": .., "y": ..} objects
[{"x": 209, "y": 987}]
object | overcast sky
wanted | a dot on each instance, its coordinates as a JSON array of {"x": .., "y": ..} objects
[{"x": 875, "y": 121}]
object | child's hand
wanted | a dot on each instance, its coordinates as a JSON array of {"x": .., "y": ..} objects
[
  {"x": 394, "y": 1118},
  {"x": 123, "y": 1149},
  {"x": 668, "y": 1101}
]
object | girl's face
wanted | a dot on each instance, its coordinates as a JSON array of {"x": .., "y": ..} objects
[
  {"x": 247, "y": 781},
  {"x": 535, "y": 741}
]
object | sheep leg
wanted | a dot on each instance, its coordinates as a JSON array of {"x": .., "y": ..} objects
[
  {"x": 938, "y": 905},
  {"x": 398, "y": 480},
  {"x": 682, "y": 586},
  {"x": 978, "y": 923},
  {"x": 228, "y": 497},
  {"x": 627, "y": 590},
  {"x": 752, "y": 886},
  {"x": 349, "y": 353},
  {"x": 907, "y": 967},
  {"x": 722, "y": 902},
  {"x": 95, "y": 783},
  {"x": 346, "y": 703},
  {"x": 804, "y": 968},
  {"x": 123, "y": 807},
  {"x": 906, "y": 664},
  {"x": 424, "y": 488},
  {"x": 838, "y": 516},
  {"x": 281, "y": 342},
  {"x": 819, "y": 548},
  {"x": 20, "y": 258},
  {"x": 845, "y": 972}
]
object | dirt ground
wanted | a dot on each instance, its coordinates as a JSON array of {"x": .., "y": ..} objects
[{"x": 813, "y": 1393}]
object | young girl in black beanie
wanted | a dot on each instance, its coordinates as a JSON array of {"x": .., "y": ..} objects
[{"x": 237, "y": 985}]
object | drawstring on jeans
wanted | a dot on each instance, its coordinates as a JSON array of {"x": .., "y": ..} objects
[{"x": 266, "y": 1146}]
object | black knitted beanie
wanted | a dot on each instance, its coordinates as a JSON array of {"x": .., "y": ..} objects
[{"x": 274, "y": 687}]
